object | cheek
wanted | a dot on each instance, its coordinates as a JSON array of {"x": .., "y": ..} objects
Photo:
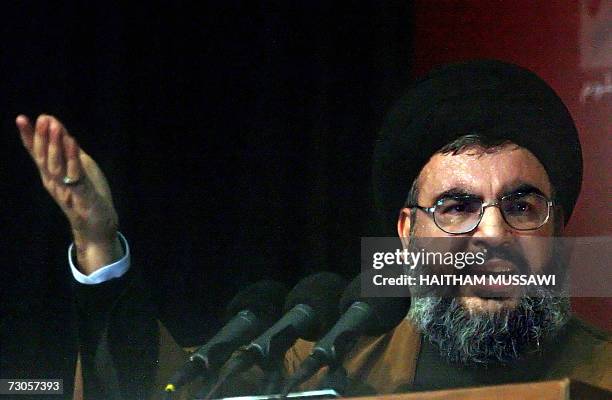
[
  {"x": 538, "y": 252},
  {"x": 547, "y": 230},
  {"x": 537, "y": 246},
  {"x": 426, "y": 227}
]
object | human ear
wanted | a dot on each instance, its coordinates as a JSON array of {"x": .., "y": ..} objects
[{"x": 403, "y": 225}]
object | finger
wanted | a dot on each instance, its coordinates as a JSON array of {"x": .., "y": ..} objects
[
  {"x": 41, "y": 135},
  {"x": 55, "y": 157},
  {"x": 71, "y": 155},
  {"x": 26, "y": 132}
]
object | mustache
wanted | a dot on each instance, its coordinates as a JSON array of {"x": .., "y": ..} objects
[{"x": 506, "y": 253}]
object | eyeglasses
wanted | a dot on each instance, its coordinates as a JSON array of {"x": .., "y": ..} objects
[{"x": 462, "y": 214}]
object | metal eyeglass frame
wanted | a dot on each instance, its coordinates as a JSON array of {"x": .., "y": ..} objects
[{"x": 430, "y": 211}]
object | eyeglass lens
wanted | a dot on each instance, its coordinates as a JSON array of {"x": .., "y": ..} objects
[{"x": 462, "y": 214}]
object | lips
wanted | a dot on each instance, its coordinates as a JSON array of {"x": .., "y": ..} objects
[{"x": 494, "y": 267}]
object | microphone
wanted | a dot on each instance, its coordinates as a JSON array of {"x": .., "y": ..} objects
[
  {"x": 250, "y": 312},
  {"x": 370, "y": 316},
  {"x": 311, "y": 308}
]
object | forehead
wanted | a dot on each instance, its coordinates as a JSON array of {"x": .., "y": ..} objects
[{"x": 485, "y": 174}]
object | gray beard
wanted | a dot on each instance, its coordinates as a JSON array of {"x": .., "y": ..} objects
[{"x": 489, "y": 338}]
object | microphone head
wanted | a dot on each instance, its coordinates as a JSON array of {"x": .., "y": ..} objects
[
  {"x": 387, "y": 312},
  {"x": 265, "y": 299},
  {"x": 322, "y": 292}
]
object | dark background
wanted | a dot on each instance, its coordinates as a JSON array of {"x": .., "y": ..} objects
[{"x": 237, "y": 140}]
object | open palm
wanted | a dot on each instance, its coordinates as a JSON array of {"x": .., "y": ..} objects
[{"x": 74, "y": 180}]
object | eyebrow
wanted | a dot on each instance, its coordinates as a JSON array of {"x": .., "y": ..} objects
[
  {"x": 456, "y": 192},
  {"x": 524, "y": 188}
]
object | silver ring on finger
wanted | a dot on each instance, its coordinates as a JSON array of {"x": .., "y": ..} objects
[{"x": 68, "y": 181}]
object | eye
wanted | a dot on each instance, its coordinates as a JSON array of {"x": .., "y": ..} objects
[
  {"x": 458, "y": 206},
  {"x": 518, "y": 207}
]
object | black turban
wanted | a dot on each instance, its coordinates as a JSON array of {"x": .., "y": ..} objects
[{"x": 493, "y": 99}]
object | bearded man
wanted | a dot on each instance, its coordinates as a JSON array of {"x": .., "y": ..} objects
[{"x": 483, "y": 151}]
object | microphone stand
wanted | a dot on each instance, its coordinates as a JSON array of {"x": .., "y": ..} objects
[
  {"x": 272, "y": 382},
  {"x": 206, "y": 387},
  {"x": 336, "y": 379}
]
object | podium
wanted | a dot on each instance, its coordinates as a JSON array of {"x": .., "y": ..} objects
[{"x": 563, "y": 389}]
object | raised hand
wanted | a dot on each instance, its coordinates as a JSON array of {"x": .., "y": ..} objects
[{"x": 78, "y": 186}]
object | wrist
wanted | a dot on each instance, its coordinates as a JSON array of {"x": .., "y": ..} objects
[{"x": 92, "y": 255}]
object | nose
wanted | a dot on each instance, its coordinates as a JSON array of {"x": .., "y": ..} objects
[{"x": 493, "y": 228}]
